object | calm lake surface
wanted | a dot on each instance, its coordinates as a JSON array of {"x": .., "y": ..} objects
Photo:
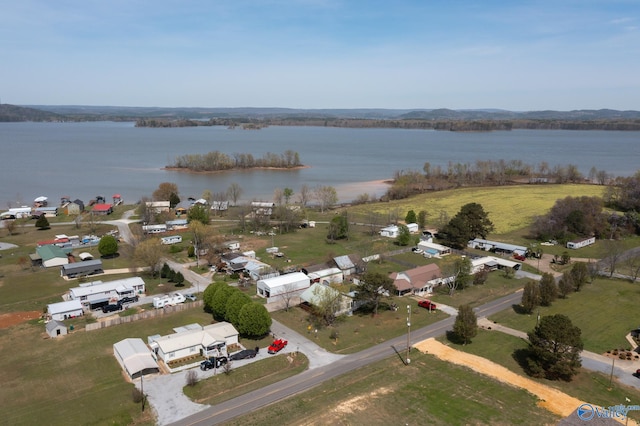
[{"x": 84, "y": 160}]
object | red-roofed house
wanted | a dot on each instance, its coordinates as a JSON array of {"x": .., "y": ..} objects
[
  {"x": 418, "y": 280},
  {"x": 102, "y": 209}
]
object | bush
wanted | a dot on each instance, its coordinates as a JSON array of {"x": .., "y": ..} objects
[
  {"x": 136, "y": 395},
  {"x": 192, "y": 378}
]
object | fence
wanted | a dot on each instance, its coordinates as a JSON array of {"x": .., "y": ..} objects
[{"x": 151, "y": 313}]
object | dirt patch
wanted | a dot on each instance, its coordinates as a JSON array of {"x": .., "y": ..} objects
[
  {"x": 352, "y": 405},
  {"x": 550, "y": 399},
  {"x": 13, "y": 318}
]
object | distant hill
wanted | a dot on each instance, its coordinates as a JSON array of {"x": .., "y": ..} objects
[
  {"x": 437, "y": 119},
  {"x": 13, "y": 113}
]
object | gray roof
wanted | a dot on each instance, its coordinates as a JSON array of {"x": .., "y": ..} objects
[
  {"x": 84, "y": 266},
  {"x": 52, "y": 325},
  {"x": 344, "y": 262}
]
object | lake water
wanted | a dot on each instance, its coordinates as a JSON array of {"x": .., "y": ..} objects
[{"x": 84, "y": 160}]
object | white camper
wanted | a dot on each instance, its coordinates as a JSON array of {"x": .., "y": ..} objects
[{"x": 168, "y": 300}]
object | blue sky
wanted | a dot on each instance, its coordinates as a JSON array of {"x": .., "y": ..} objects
[{"x": 517, "y": 55}]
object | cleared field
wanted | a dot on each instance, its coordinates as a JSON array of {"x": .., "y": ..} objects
[
  {"x": 603, "y": 311},
  {"x": 510, "y": 207}
]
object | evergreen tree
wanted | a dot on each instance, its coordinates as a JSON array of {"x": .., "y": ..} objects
[
  {"x": 235, "y": 302},
  {"x": 548, "y": 289},
  {"x": 411, "y": 217},
  {"x": 179, "y": 279},
  {"x": 219, "y": 301},
  {"x": 108, "y": 246},
  {"x": 254, "y": 320},
  {"x": 554, "y": 348},
  {"x": 404, "y": 236},
  {"x": 164, "y": 272},
  {"x": 466, "y": 325},
  {"x": 42, "y": 222},
  {"x": 530, "y": 296},
  {"x": 422, "y": 219},
  {"x": 469, "y": 223},
  {"x": 209, "y": 292}
]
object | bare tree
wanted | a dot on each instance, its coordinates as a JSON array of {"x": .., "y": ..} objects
[
  {"x": 304, "y": 196},
  {"x": 278, "y": 196},
  {"x": 234, "y": 192},
  {"x": 632, "y": 263},
  {"x": 10, "y": 225},
  {"x": 150, "y": 253},
  {"x": 288, "y": 295},
  {"x": 192, "y": 378},
  {"x": 614, "y": 250},
  {"x": 326, "y": 196},
  {"x": 144, "y": 211}
]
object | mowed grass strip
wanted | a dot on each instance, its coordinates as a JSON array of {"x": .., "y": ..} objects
[
  {"x": 246, "y": 378},
  {"x": 428, "y": 391},
  {"x": 587, "y": 386},
  {"x": 603, "y": 310},
  {"x": 360, "y": 331}
]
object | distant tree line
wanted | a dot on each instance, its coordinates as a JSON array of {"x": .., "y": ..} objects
[
  {"x": 454, "y": 125},
  {"x": 485, "y": 173},
  {"x": 218, "y": 161}
]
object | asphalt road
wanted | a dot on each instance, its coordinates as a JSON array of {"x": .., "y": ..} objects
[{"x": 311, "y": 378}]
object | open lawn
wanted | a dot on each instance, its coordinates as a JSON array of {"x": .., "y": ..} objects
[
  {"x": 63, "y": 381},
  {"x": 587, "y": 385},
  {"x": 360, "y": 331},
  {"x": 428, "y": 391},
  {"x": 225, "y": 386},
  {"x": 603, "y": 310},
  {"x": 497, "y": 285}
]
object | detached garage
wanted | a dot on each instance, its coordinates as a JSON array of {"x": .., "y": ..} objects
[
  {"x": 65, "y": 310},
  {"x": 135, "y": 358},
  {"x": 291, "y": 284}
]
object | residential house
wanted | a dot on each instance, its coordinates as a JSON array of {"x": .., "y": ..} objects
[
  {"x": 418, "y": 280},
  {"x": 102, "y": 209},
  {"x": 52, "y": 255},
  {"x": 496, "y": 247},
  {"x": 576, "y": 244},
  {"x": 343, "y": 304}
]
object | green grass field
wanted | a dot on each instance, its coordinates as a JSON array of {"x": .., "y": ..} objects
[
  {"x": 587, "y": 385},
  {"x": 604, "y": 311},
  {"x": 428, "y": 391}
]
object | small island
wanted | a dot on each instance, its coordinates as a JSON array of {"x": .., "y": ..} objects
[{"x": 216, "y": 161}]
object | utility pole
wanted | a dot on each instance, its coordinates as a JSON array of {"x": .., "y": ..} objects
[{"x": 408, "y": 332}]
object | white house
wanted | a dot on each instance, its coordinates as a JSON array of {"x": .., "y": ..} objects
[
  {"x": 576, "y": 244},
  {"x": 391, "y": 231},
  {"x": 194, "y": 339},
  {"x": 65, "y": 310},
  {"x": 342, "y": 303},
  {"x": 135, "y": 358},
  {"x": 432, "y": 249},
  {"x": 327, "y": 276},
  {"x": 413, "y": 228},
  {"x": 94, "y": 293},
  {"x": 492, "y": 263},
  {"x": 496, "y": 246},
  {"x": 172, "y": 239},
  {"x": 157, "y": 207},
  {"x": 154, "y": 229},
  {"x": 287, "y": 284}
]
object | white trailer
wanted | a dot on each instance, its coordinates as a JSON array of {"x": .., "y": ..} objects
[
  {"x": 168, "y": 300},
  {"x": 173, "y": 239},
  {"x": 287, "y": 284}
]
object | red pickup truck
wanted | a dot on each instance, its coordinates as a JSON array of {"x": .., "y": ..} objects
[
  {"x": 427, "y": 304},
  {"x": 277, "y": 346}
]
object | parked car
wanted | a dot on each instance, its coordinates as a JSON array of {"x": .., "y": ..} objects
[
  {"x": 112, "y": 307},
  {"x": 213, "y": 362},
  {"x": 191, "y": 297},
  {"x": 427, "y": 304},
  {"x": 127, "y": 299},
  {"x": 244, "y": 354},
  {"x": 519, "y": 257},
  {"x": 277, "y": 346},
  {"x": 417, "y": 250}
]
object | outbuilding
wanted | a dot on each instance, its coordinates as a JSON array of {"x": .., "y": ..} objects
[
  {"x": 135, "y": 358},
  {"x": 52, "y": 255},
  {"x": 55, "y": 328},
  {"x": 65, "y": 310},
  {"x": 287, "y": 284},
  {"x": 82, "y": 269}
]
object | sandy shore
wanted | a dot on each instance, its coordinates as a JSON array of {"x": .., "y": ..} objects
[{"x": 350, "y": 191}]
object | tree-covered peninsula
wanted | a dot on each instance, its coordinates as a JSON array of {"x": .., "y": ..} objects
[{"x": 215, "y": 161}]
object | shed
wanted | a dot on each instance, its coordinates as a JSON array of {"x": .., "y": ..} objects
[
  {"x": 81, "y": 269},
  {"x": 65, "y": 310},
  {"x": 135, "y": 358},
  {"x": 347, "y": 264},
  {"x": 102, "y": 209},
  {"x": 327, "y": 276},
  {"x": 55, "y": 328},
  {"x": 272, "y": 288}
]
